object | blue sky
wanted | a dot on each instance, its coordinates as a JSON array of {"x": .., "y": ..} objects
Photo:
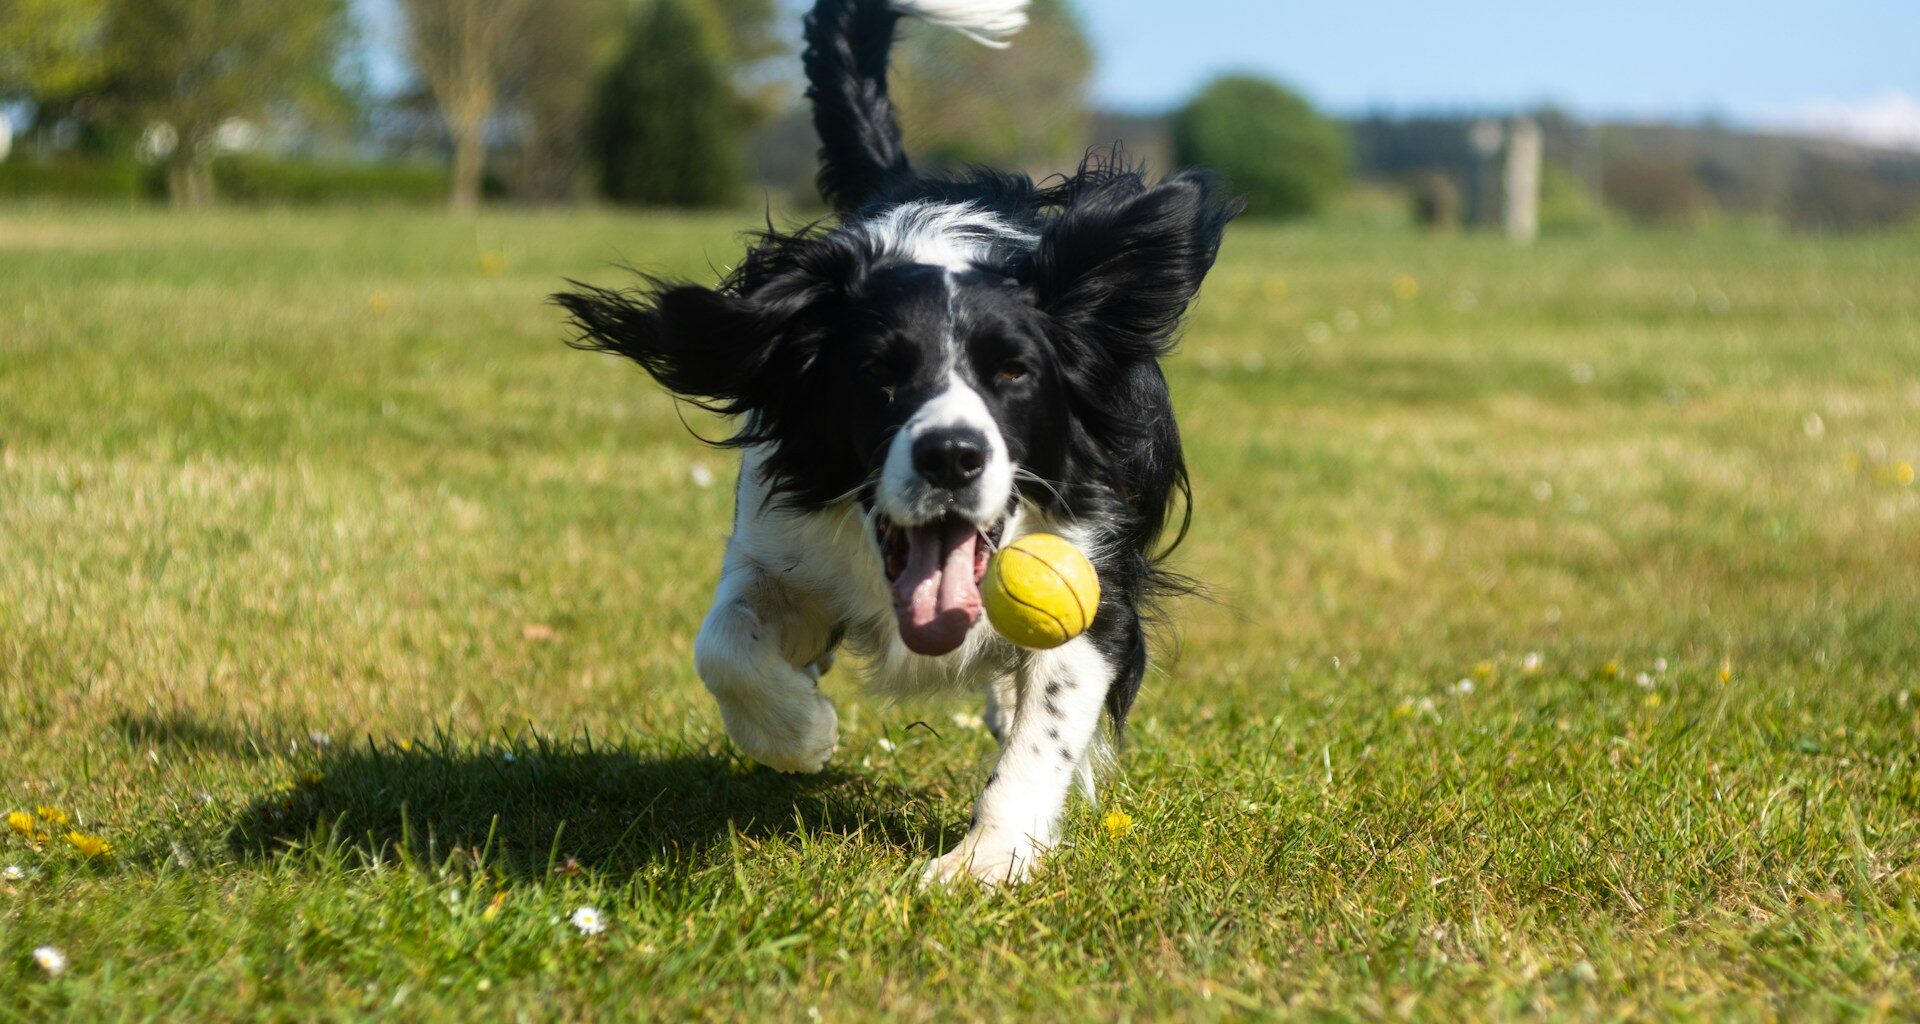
[
  {"x": 1843, "y": 67},
  {"x": 1674, "y": 57}
]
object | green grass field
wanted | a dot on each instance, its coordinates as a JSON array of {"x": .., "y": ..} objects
[{"x": 1561, "y": 662}]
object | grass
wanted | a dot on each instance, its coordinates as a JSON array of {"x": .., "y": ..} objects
[{"x": 354, "y": 611}]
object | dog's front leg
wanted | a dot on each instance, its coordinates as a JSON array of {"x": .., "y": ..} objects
[
  {"x": 1059, "y": 698},
  {"x": 760, "y": 652}
]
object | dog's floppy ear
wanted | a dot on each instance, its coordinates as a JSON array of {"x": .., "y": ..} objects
[
  {"x": 1125, "y": 259},
  {"x": 706, "y": 345}
]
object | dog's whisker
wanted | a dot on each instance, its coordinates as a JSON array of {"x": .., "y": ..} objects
[{"x": 1023, "y": 473}]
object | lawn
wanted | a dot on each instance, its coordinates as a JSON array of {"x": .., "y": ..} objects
[{"x": 1560, "y": 661}]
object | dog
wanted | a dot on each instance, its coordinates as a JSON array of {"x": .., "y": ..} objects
[{"x": 956, "y": 361}]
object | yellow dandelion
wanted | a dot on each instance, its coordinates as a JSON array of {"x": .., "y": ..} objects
[
  {"x": 1726, "y": 670},
  {"x": 492, "y": 263},
  {"x": 1903, "y": 474},
  {"x": 1651, "y": 700},
  {"x": 405, "y": 745},
  {"x": 493, "y": 906},
  {"x": 51, "y": 815},
  {"x": 1118, "y": 823},
  {"x": 1611, "y": 670},
  {"x": 380, "y": 302},
  {"x": 1851, "y": 462},
  {"x": 21, "y": 822},
  {"x": 89, "y": 845},
  {"x": 1483, "y": 669},
  {"x": 1406, "y": 288},
  {"x": 1403, "y": 710},
  {"x": 310, "y": 779},
  {"x": 1275, "y": 289}
]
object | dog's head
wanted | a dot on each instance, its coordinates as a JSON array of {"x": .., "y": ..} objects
[{"x": 935, "y": 364}]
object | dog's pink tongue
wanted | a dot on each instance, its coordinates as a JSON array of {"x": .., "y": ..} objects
[{"x": 937, "y": 598}]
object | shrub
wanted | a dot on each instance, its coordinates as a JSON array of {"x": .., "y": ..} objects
[
  {"x": 1567, "y": 205},
  {"x": 1436, "y": 201},
  {"x": 1267, "y": 141},
  {"x": 1654, "y": 192}
]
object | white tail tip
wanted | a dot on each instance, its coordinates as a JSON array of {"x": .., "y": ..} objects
[{"x": 987, "y": 22}]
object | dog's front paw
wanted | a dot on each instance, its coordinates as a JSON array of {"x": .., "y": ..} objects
[
  {"x": 987, "y": 859},
  {"x": 793, "y": 730}
]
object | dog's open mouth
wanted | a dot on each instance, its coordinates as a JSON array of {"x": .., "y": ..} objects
[{"x": 935, "y": 570}]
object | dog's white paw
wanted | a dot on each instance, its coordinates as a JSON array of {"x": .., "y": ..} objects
[
  {"x": 791, "y": 732},
  {"x": 990, "y": 860}
]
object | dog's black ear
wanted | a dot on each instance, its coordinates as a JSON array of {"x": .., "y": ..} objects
[
  {"x": 705, "y": 345},
  {"x": 1125, "y": 259}
]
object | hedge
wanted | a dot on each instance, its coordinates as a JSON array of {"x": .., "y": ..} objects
[
  {"x": 253, "y": 180},
  {"x": 22, "y": 179},
  {"x": 250, "y": 180}
]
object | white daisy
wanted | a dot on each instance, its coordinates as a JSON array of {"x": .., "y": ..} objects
[
  {"x": 702, "y": 476},
  {"x": 886, "y": 744},
  {"x": 13, "y": 873},
  {"x": 51, "y": 960},
  {"x": 1532, "y": 662},
  {"x": 1463, "y": 687},
  {"x": 1644, "y": 680},
  {"x": 589, "y": 921}
]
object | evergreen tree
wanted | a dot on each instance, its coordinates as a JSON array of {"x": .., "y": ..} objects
[{"x": 667, "y": 128}]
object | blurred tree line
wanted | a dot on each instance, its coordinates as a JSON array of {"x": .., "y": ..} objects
[
  {"x": 688, "y": 102},
  {"x": 663, "y": 102},
  {"x": 1653, "y": 175}
]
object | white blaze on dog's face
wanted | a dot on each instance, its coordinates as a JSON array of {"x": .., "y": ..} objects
[
  {"x": 943, "y": 497},
  {"x": 949, "y": 459}
]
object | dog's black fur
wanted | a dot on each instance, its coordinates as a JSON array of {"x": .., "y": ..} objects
[{"x": 823, "y": 340}]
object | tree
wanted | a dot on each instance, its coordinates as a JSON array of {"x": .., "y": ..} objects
[
  {"x": 754, "y": 55},
  {"x": 50, "y": 48},
  {"x": 1025, "y": 106},
  {"x": 196, "y": 65},
  {"x": 463, "y": 47},
  {"x": 553, "y": 66},
  {"x": 667, "y": 125},
  {"x": 1267, "y": 141},
  {"x": 555, "y": 61}
]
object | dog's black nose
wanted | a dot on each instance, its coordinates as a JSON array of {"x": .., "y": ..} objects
[{"x": 950, "y": 458}]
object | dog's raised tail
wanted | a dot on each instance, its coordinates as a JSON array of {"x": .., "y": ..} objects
[{"x": 846, "y": 64}]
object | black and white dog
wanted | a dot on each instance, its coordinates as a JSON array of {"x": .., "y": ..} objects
[{"x": 960, "y": 361}]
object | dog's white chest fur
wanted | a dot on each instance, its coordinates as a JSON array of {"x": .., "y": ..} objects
[{"x": 820, "y": 573}]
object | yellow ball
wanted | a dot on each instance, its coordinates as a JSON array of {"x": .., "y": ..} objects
[{"x": 1040, "y": 591}]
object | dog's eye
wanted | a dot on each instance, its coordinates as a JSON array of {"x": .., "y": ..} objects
[{"x": 1012, "y": 373}]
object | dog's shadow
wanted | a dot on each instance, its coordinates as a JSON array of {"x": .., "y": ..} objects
[{"x": 546, "y": 807}]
